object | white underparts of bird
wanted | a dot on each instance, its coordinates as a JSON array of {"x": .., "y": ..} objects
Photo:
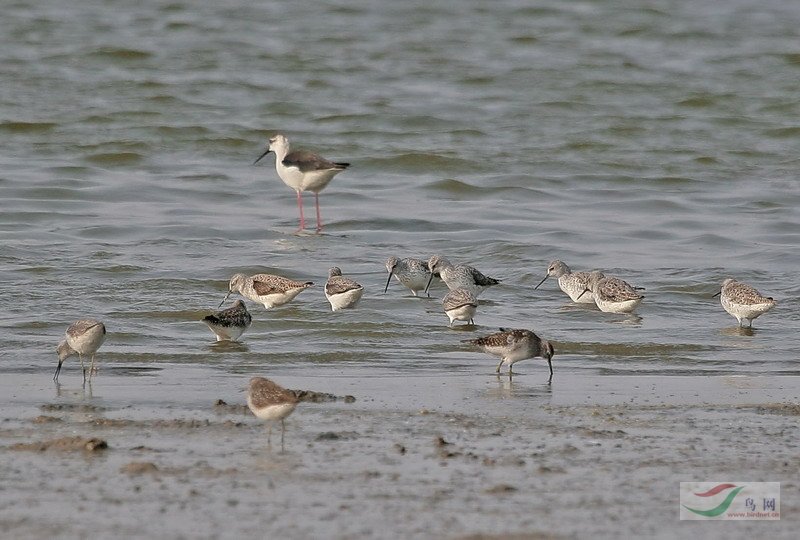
[
  {"x": 458, "y": 276},
  {"x": 342, "y": 292},
  {"x": 302, "y": 171}
]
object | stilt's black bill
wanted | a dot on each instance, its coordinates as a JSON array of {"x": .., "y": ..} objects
[
  {"x": 429, "y": 284},
  {"x": 387, "y": 283}
]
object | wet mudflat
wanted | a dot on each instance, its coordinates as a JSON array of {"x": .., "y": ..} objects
[{"x": 502, "y": 459}]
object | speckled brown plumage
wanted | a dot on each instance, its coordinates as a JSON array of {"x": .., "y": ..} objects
[
  {"x": 230, "y": 323},
  {"x": 412, "y": 273},
  {"x": 271, "y": 402},
  {"x": 342, "y": 292},
  {"x": 83, "y": 337},
  {"x": 264, "y": 284},
  {"x": 613, "y": 289},
  {"x": 742, "y": 293},
  {"x": 613, "y": 295},
  {"x": 264, "y": 393},
  {"x": 743, "y": 301},
  {"x": 460, "y": 305},
  {"x": 267, "y": 289},
  {"x": 79, "y": 328},
  {"x": 236, "y": 315},
  {"x": 574, "y": 284},
  {"x": 513, "y": 345},
  {"x": 459, "y": 276},
  {"x": 337, "y": 284},
  {"x": 458, "y": 298}
]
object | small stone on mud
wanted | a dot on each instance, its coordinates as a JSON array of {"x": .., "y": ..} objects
[
  {"x": 328, "y": 436},
  {"x": 65, "y": 444},
  {"x": 139, "y": 467},
  {"x": 788, "y": 409},
  {"x": 43, "y": 419},
  {"x": 439, "y": 441},
  {"x": 320, "y": 397},
  {"x": 143, "y": 448},
  {"x": 71, "y": 407},
  {"x": 400, "y": 448},
  {"x": 222, "y": 406},
  {"x": 500, "y": 488},
  {"x": 111, "y": 422},
  {"x": 95, "y": 444},
  {"x": 545, "y": 469}
]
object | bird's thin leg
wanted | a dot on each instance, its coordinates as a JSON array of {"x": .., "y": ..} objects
[
  {"x": 80, "y": 356},
  {"x": 92, "y": 369},
  {"x": 319, "y": 220},
  {"x": 269, "y": 435},
  {"x": 283, "y": 430},
  {"x": 300, "y": 207},
  {"x": 498, "y": 366}
]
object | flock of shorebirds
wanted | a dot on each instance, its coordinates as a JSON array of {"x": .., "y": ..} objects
[{"x": 305, "y": 171}]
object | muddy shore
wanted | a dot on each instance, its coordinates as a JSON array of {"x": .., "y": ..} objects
[{"x": 509, "y": 460}]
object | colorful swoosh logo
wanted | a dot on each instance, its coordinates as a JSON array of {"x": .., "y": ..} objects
[
  {"x": 723, "y": 506},
  {"x": 716, "y": 489}
]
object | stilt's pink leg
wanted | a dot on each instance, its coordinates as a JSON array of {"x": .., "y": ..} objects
[
  {"x": 319, "y": 221},
  {"x": 300, "y": 206}
]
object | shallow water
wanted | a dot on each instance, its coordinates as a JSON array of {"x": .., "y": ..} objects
[{"x": 654, "y": 142}]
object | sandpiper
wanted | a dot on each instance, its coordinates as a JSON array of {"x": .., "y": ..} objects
[
  {"x": 82, "y": 337},
  {"x": 340, "y": 291},
  {"x": 460, "y": 305},
  {"x": 302, "y": 170},
  {"x": 572, "y": 283},
  {"x": 412, "y": 273},
  {"x": 612, "y": 295},
  {"x": 269, "y": 401},
  {"x": 515, "y": 345},
  {"x": 743, "y": 301},
  {"x": 456, "y": 276},
  {"x": 267, "y": 289},
  {"x": 229, "y": 324}
]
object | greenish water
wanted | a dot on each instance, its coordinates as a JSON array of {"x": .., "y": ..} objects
[{"x": 658, "y": 143}]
